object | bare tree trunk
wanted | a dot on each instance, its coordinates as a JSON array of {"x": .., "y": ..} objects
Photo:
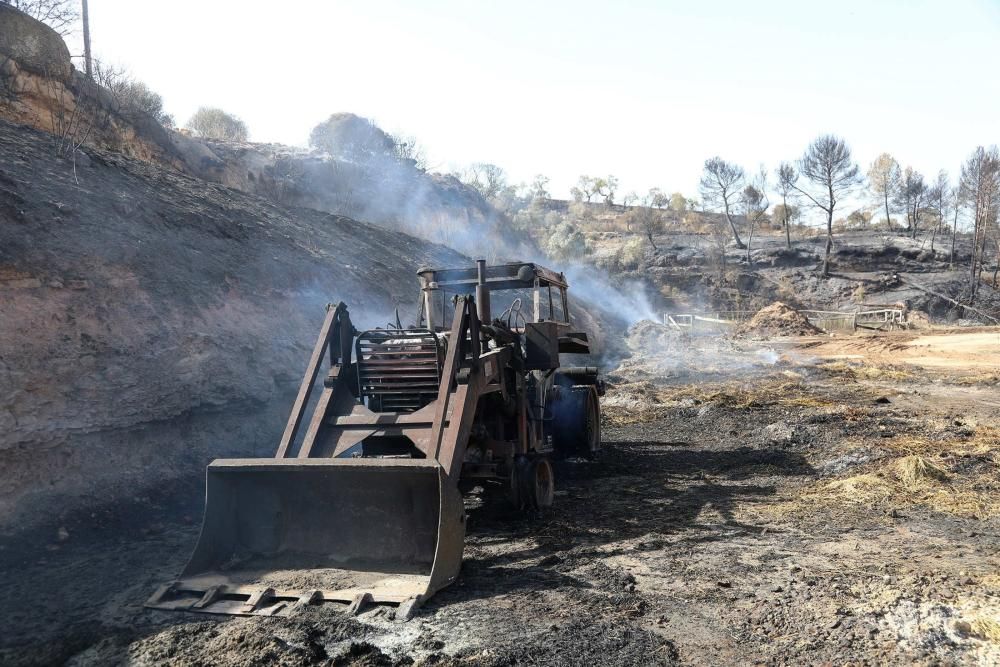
[
  {"x": 972, "y": 275},
  {"x": 983, "y": 216},
  {"x": 940, "y": 219},
  {"x": 888, "y": 220},
  {"x": 954, "y": 235},
  {"x": 981, "y": 264},
  {"x": 750, "y": 243},
  {"x": 829, "y": 230},
  {"x": 996, "y": 262},
  {"x": 915, "y": 216},
  {"x": 977, "y": 253},
  {"x": 88, "y": 68},
  {"x": 829, "y": 242},
  {"x": 982, "y": 257},
  {"x": 784, "y": 213},
  {"x": 975, "y": 249},
  {"x": 732, "y": 226}
]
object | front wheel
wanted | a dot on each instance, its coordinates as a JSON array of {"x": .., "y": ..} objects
[
  {"x": 543, "y": 481},
  {"x": 532, "y": 483}
]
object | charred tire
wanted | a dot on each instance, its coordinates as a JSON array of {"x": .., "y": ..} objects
[
  {"x": 532, "y": 483},
  {"x": 520, "y": 475},
  {"x": 543, "y": 482},
  {"x": 576, "y": 424}
]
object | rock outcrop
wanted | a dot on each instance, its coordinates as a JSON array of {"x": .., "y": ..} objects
[
  {"x": 37, "y": 47},
  {"x": 40, "y": 88}
]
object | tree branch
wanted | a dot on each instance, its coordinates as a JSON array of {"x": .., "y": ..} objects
[{"x": 811, "y": 198}]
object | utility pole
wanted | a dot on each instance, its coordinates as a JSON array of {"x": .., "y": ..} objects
[{"x": 86, "y": 42}]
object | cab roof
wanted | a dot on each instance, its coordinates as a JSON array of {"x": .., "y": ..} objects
[{"x": 515, "y": 275}]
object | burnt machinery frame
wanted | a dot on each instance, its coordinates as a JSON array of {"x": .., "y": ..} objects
[{"x": 366, "y": 508}]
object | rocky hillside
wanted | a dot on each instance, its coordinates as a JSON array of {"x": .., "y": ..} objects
[
  {"x": 150, "y": 321},
  {"x": 691, "y": 264},
  {"x": 40, "y": 88},
  {"x": 869, "y": 269}
]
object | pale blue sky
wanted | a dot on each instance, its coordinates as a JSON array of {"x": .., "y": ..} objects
[{"x": 642, "y": 90}]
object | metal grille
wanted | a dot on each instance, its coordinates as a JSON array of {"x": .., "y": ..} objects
[{"x": 399, "y": 370}]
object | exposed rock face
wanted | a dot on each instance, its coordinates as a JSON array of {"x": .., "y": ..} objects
[
  {"x": 35, "y": 71},
  {"x": 150, "y": 321},
  {"x": 37, "y": 47},
  {"x": 40, "y": 88}
]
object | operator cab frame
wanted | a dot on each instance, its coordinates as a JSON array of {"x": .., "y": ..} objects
[
  {"x": 544, "y": 336},
  {"x": 436, "y": 284}
]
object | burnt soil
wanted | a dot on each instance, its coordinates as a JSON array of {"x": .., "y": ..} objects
[{"x": 695, "y": 539}]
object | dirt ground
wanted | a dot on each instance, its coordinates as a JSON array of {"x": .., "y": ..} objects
[
  {"x": 835, "y": 501},
  {"x": 965, "y": 352}
]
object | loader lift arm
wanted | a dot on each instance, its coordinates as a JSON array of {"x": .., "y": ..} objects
[{"x": 337, "y": 328}]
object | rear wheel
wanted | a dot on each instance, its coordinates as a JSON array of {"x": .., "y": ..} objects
[
  {"x": 577, "y": 422},
  {"x": 592, "y": 425}
]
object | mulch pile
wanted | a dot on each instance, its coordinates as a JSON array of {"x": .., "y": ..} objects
[{"x": 778, "y": 319}]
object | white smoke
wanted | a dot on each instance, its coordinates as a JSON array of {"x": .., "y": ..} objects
[{"x": 629, "y": 302}]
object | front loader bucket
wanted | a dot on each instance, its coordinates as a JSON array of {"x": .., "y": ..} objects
[{"x": 280, "y": 533}]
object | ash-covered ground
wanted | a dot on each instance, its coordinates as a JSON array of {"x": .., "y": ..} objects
[{"x": 828, "y": 505}]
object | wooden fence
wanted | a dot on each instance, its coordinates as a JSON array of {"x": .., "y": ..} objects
[{"x": 882, "y": 319}]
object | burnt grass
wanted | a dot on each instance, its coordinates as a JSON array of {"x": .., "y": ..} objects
[{"x": 664, "y": 551}]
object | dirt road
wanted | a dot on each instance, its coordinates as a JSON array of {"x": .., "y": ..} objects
[
  {"x": 970, "y": 352},
  {"x": 806, "y": 512}
]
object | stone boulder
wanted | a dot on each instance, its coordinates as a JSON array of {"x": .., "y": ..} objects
[{"x": 34, "y": 45}]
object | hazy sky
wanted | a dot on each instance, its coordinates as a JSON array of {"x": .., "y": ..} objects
[{"x": 642, "y": 90}]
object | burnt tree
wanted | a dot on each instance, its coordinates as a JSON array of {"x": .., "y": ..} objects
[
  {"x": 832, "y": 173},
  {"x": 721, "y": 183}
]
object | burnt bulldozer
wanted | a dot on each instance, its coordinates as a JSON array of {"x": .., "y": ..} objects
[{"x": 366, "y": 506}]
